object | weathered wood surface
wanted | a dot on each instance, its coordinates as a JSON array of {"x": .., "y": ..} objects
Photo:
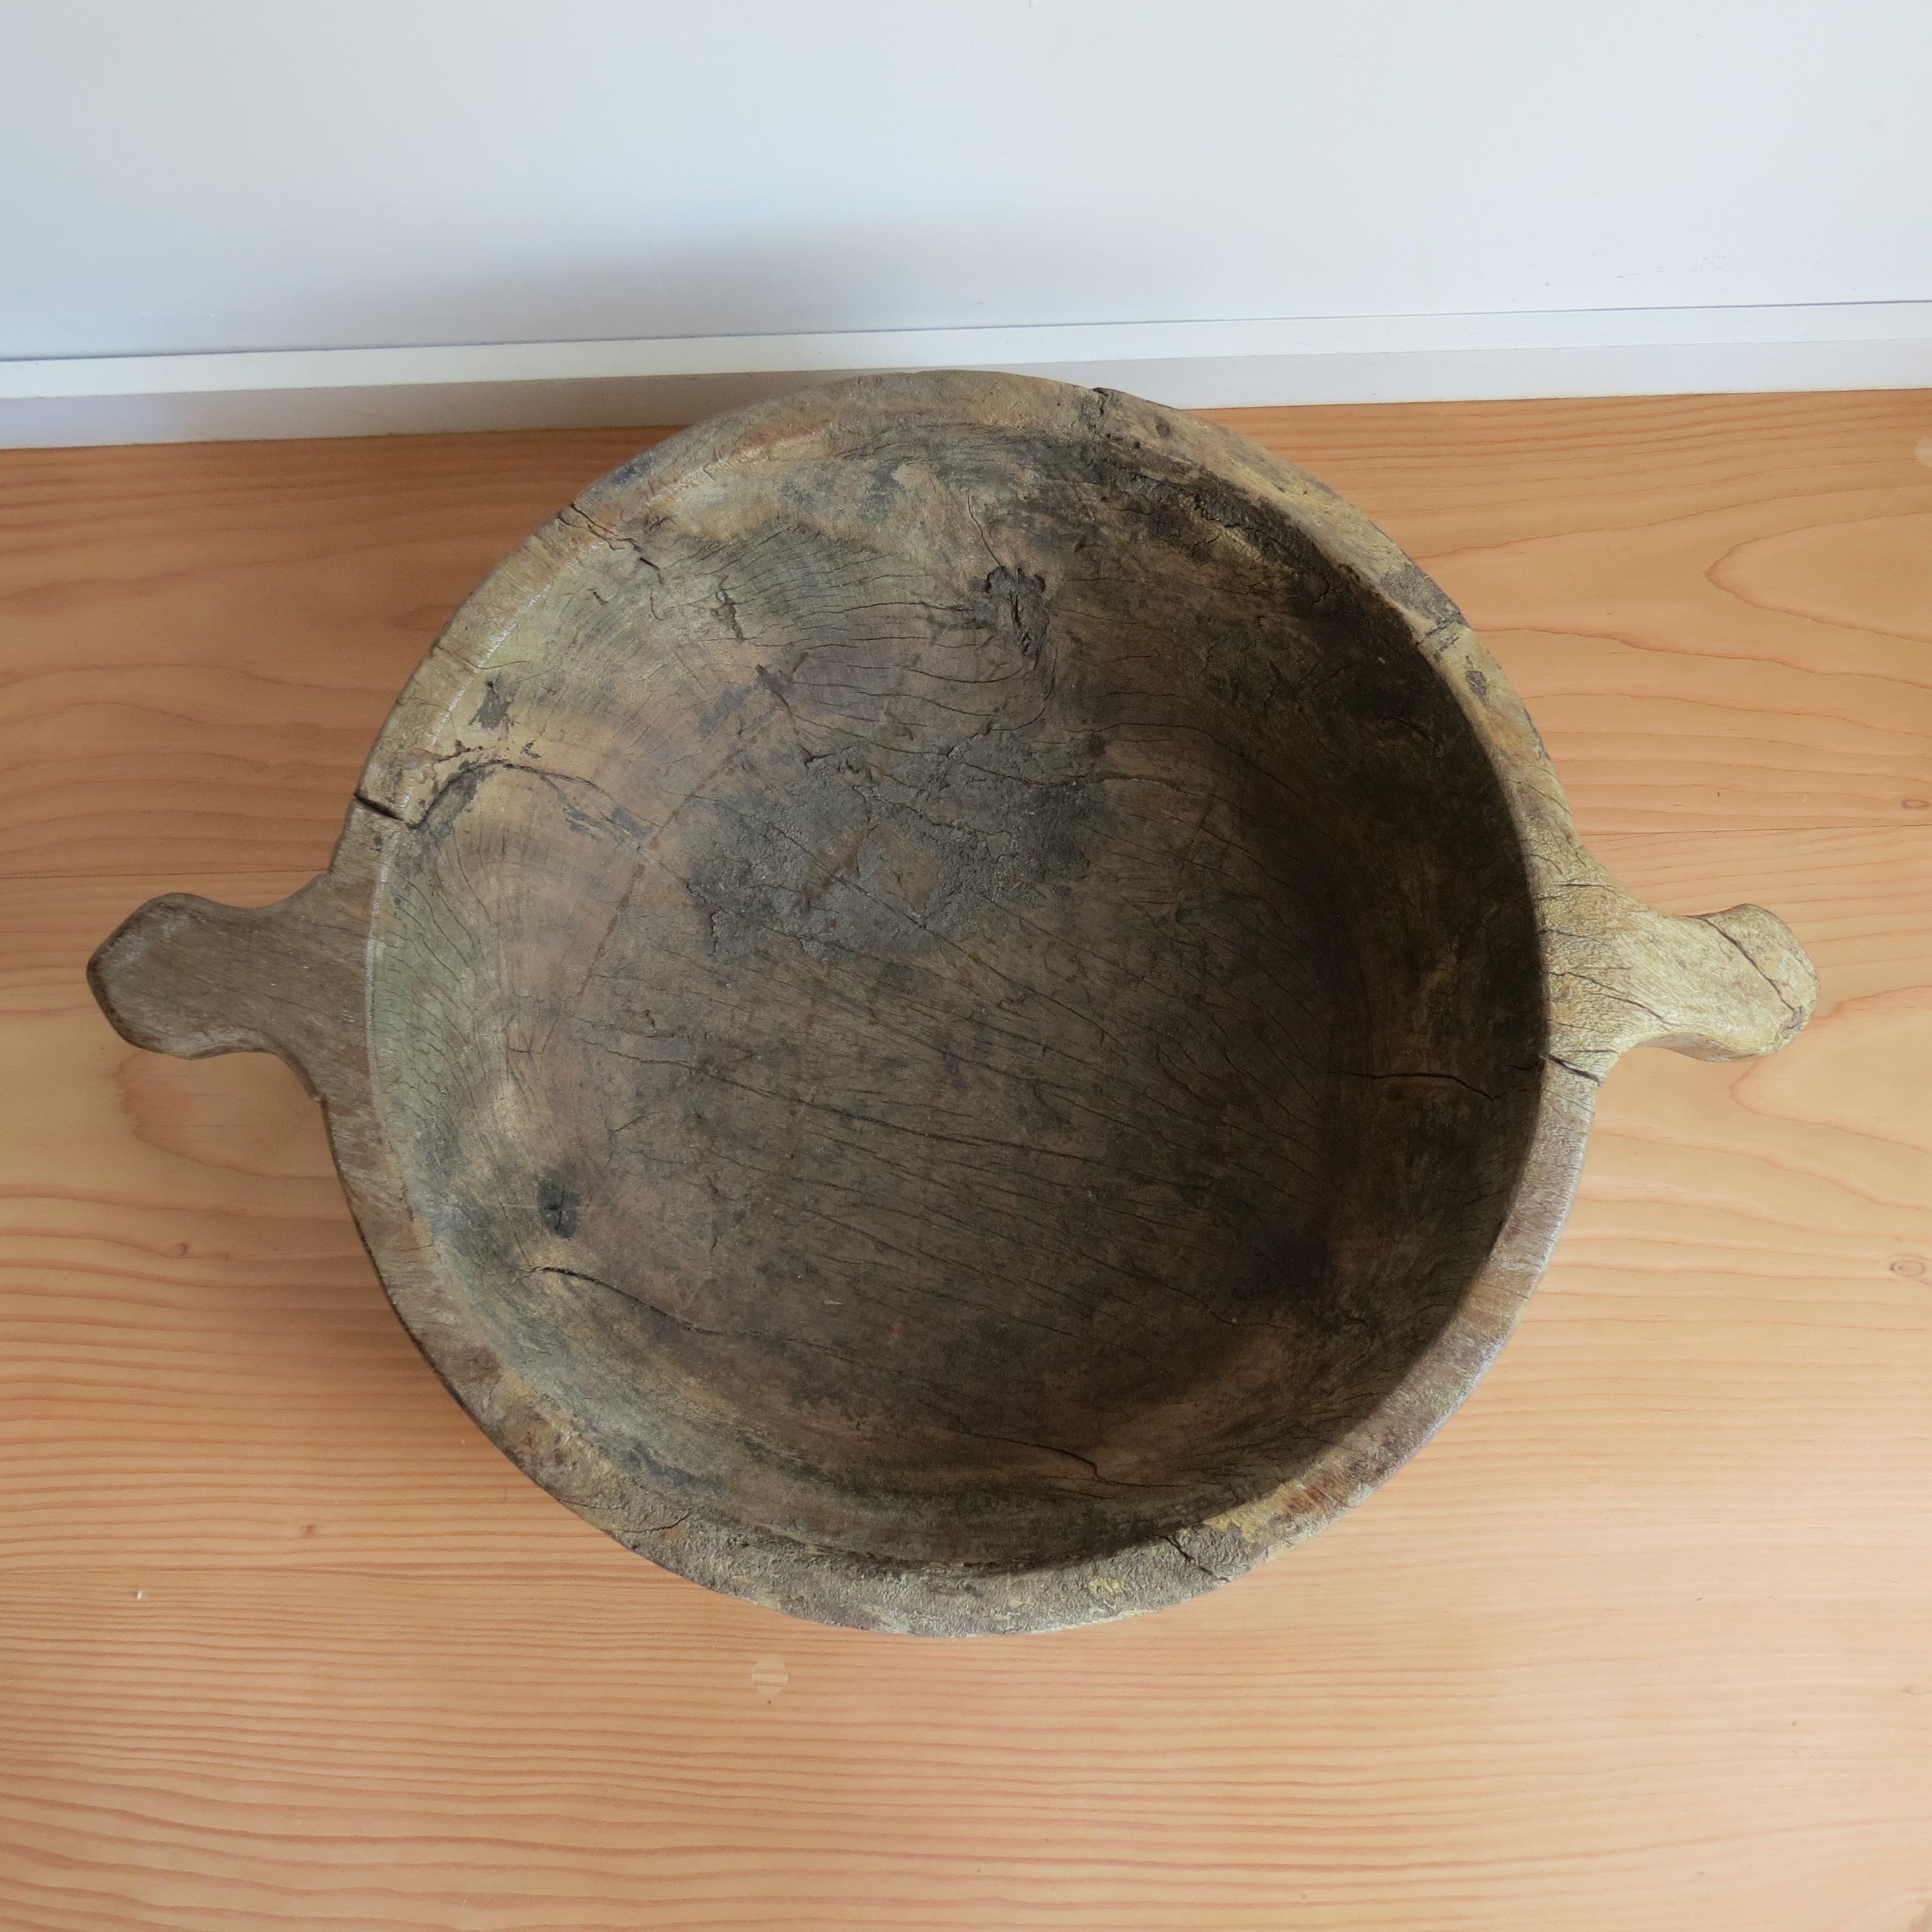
[
  {"x": 980, "y": 1006},
  {"x": 1642, "y": 1634}
]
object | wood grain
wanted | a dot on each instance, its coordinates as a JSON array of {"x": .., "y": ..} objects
[{"x": 1641, "y": 1639}]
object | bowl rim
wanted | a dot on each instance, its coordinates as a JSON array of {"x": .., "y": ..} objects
[{"x": 410, "y": 765}]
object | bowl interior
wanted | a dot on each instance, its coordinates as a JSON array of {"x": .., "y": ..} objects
[{"x": 968, "y": 997}]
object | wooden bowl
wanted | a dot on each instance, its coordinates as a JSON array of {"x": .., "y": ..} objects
[{"x": 957, "y": 1004}]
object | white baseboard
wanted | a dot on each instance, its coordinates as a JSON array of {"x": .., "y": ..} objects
[{"x": 323, "y": 392}]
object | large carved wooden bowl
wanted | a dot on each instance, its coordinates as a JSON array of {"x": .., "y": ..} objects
[{"x": 957, "y": 1004}]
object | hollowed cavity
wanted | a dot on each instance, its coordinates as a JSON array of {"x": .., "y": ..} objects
[{"x": 969, "y": 999}]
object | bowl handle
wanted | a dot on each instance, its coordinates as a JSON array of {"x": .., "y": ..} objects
[
  {"x": 1718, "y": 985},
  {"x": 185, "y": 976}
]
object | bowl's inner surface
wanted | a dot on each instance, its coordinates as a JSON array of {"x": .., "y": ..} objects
[{"x": 968, "y": 998}]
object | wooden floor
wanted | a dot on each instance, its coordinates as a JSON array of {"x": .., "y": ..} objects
[{"x": 1643, "y": 1641}]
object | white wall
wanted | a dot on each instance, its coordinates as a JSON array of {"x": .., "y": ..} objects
[{"x": 248, "y": 175}]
